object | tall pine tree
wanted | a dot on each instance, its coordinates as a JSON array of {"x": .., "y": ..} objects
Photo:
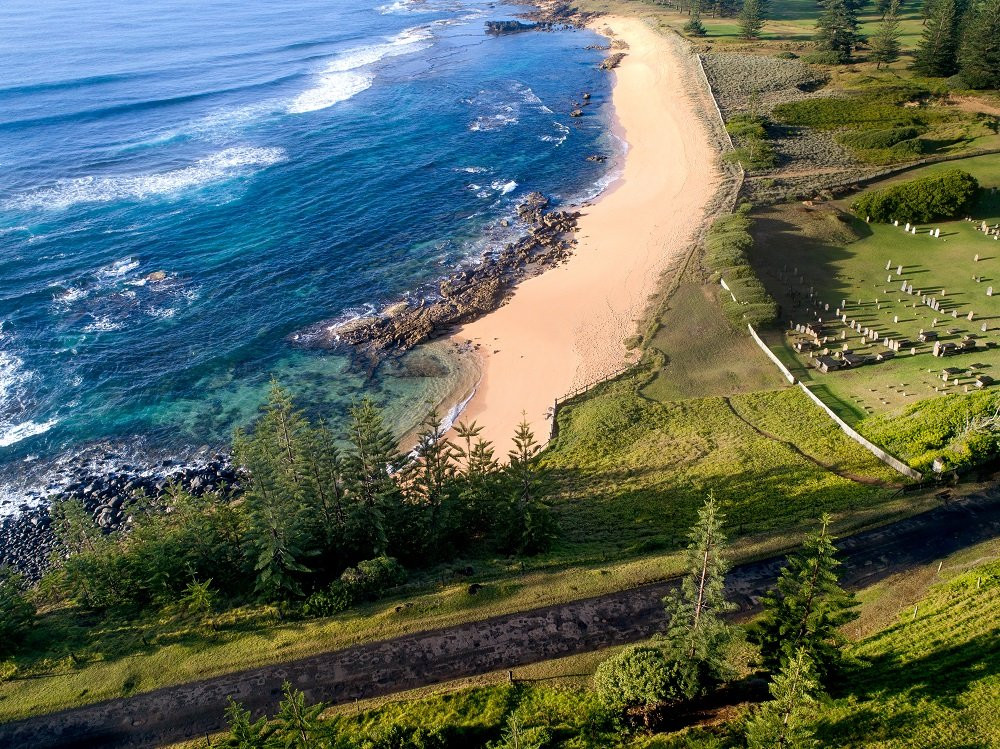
[
  {"x": 979, "y": 58},
  {"x": 696, "y": 630},
  {"x": 837, "y": 28},
  {"x": 752, "y": 16},
  {"x": 807, "y": 607},
  {"x": 937, "y": 53},
  {"x": 885, "y": 43},
  {"x": 779, "y": 724}
]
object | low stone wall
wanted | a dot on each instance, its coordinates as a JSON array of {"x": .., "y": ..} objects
[
  {"x": 891, "y": 461},
  {"x": 871, "y": 447},
  {"x": 771, "y": 355}
]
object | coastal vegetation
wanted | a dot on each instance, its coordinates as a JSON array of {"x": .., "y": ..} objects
[
  {"x": 944, "y": 196},
  {"x": 881, "y": 697}
]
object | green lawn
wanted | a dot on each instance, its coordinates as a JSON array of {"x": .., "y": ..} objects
[{"x": 824, "y": 248}]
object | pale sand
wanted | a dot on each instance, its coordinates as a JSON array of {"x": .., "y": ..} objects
[{"x": 567, "y": 327}]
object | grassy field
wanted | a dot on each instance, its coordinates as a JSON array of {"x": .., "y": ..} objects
[{"x": 799, "y": 248}]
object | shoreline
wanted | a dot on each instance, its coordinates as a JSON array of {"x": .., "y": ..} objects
[{"x": 569, "y": 325}]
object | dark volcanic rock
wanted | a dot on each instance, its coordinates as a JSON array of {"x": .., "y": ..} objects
[
  {"x": 27, "y": 540},
  {"x": 461, "y": 297}
]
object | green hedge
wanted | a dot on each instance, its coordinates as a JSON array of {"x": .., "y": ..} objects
[
  {"x": 726, "y": 247},
  {"x": 871, "y": 139},
  {"x": 943, "y": 196}
]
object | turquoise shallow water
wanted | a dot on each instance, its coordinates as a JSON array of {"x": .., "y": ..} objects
[{"x": 271, "y": 164}]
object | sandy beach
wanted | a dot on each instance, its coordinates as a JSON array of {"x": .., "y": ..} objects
[{"x": 568, "y": 326}]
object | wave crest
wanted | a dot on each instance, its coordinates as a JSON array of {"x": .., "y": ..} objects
[
  {"x": 340, "y": 79},
  {"x": 224, "y": 165}
]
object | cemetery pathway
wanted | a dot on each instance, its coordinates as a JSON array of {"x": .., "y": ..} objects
[
  {"x": 188, "y": 711},
  {"x": 867, "y": 480}
]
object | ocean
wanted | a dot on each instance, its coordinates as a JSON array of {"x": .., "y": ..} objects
[{"x": 183, "y": 185}]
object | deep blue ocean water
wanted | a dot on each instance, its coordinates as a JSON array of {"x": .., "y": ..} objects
[{"x": 275, "y": 164}]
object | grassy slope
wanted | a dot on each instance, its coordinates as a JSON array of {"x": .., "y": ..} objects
[{"x": 632, "y": 463}]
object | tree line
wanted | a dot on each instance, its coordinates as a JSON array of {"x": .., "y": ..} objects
[
  {"x": 797, "y": 635},
  {"x": 318, "y": 524},
  {"x": 959, "y": 37}
]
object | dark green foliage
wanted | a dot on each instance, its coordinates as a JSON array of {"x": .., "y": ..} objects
[
  {"x": 807, "y": 607},
  {"x": 640, "y": 678},
  {"x": 937, "y": 53},
  {"x": 308, "y": 517},
  {"x": 780, "y": 723},
  {"x": 979, "y": 56},
  {"x": 885, "y": 44},
  {"x": 872, "y": 139},
  {"x": 369, "y": 581},
  {"x": 753, "y": 13},
  {"x": 961, "y": 430},
  {"x": 948, "y": 195},
  {"x": 726, "y": 247},
  {"x": 873, "y": 107},
  {"x": 696, "y": 631},
  {"x": 694, "y": 26},
  {"x": 16, "y": 611},
  {"x": 822, "y": 58},
  {"x": 752, "y": 149},
  {"x": 837, "y": 29}
]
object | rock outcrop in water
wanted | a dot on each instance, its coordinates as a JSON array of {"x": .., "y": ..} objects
[
  {"x": 496, "y": 28},
  {"x": 461, "y": 297}
]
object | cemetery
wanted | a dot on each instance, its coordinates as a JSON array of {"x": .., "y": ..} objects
[{"x": 872, "y": 311}]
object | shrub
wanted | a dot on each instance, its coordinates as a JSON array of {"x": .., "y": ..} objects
[
  {"x": 873, "y": 107},
  {"x": 369, "y": 581},
  {"x": 947, "y": 195},
  {"x": 787, "y": 56},
  {"x": 640, "y": 678},
  {"x": 16, "y": 612},
  {"x": 823, "y": 58},
  {"x": 726, "y": 248},
  {"x": 868, "y": 139}
]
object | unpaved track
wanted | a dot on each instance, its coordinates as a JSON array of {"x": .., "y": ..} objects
[{"x": 183, "y": 712}]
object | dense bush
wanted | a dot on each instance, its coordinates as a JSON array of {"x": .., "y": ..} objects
[
  {"x": 943, "y": 196},
  {"x": 726, "y": 247},
  {"x": 822, "y": 58},
  {"x": 874, "y": 107},
  {"x": 308, "y": 515},
  {"x": 868, "y": 139},
  {"x": 962, "y": 430},
  {"x": 640, "y": 678},
  {"x": 752, "y": 149},
  {"x": 369, "y": 581},
  {"x": 16, "y": 612}
]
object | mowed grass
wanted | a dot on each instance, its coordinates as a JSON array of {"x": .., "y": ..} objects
[{"x": 840, "y": 257}]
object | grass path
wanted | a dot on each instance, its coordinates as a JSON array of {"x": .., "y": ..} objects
[{"x": 867, "y": 480}]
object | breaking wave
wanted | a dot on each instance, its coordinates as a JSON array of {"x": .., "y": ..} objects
[{"x": 224, "y": 165}]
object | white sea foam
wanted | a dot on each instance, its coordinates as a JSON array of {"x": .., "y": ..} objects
[
  {"x": 119, "y": 268},
  {"x": 14, "y": 379},
  {"x": 504, "y": 187},
  {"x": 10, "y": 435},
  {"x": 226, "y": 164},
  {"x": 103, "y": 324},
  {"x": 473, "y": 169},
  {"x": 341, "y": 78}
]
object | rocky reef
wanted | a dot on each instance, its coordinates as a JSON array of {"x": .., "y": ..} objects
[
  {"x": 108, "y": 490},
  {"x": 461, "y": 297}
]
